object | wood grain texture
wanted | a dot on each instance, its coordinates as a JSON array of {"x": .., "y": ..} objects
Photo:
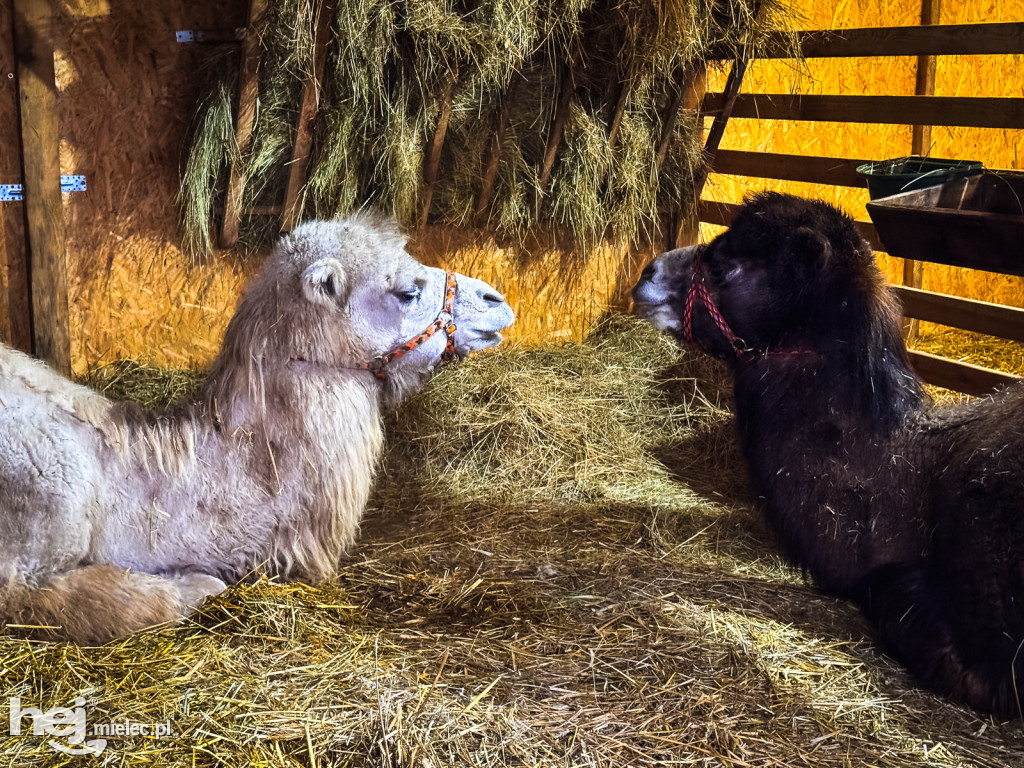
[
  {"x": 944, "y": 39},
  {"x": 15, "y": 305},
  {"x": 975, "y": 112},
  {"x": 37, "y": 94},
  {"x": 963, "y": 377},
  {"x": 840, "y": 172},
  {"x": 968, "y": 314},
  {"x": 245, "y": 116},
  {"x": 293, "y": 198}
]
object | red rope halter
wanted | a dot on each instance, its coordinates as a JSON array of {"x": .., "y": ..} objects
[
  {"x": 445, "y": 323},
  {"x": 699, "y": 290}
]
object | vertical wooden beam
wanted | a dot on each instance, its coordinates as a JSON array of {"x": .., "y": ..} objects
[
  {"x": 434, "y": 154},
  {"x": 37, "y": 92},
  {"x": 732, "y": 90},
  {"x": 922, "y": 135},
  {"x": 293, "y": 198},
  {"x": 920, "y": 144},
  {"x": 618, "y": 111},
  {"x": 248, "y": 93},
  {"x": 490, "y": 173},
  {"x": 688, "y": 230},
  {"x": 557, "y": 125},
  {"x": 682, "y": 76},
  {"x": 15, "y": 307}
]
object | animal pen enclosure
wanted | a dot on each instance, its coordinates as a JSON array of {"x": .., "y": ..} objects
[{"x": 561, "y": 565}]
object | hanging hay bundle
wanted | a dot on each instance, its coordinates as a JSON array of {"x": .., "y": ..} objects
[{"x": 551, "y": 108}]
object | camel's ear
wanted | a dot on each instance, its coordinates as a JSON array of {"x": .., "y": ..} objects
[
  {"x": 812, "y": 246},
  {"x": 325, "y": 282}
]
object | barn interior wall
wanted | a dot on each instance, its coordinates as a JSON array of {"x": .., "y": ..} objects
[
  {"x": 125, "y": 94},
  {"x": 993, "y": 76},
  {"x": 127, "y": 91}
]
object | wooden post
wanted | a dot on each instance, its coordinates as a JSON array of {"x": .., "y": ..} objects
[
  {"x": 248, "y": 93},
  {"x": 557, "y": 125},
  {"x": 293, "y": 198},
  {"x": 490, "y": 173},
  {"x": 732, "y": 90},
  {"x": 434, "y": 155},
  {"x": 619, "y": 110},
  {"x": 920, "y": 144},
  {"x": 37, "y": 91},
  {"x": 682, "y": 76},
  {"x": 688, "y": 230},
  {"x": 15, "y": 307}
]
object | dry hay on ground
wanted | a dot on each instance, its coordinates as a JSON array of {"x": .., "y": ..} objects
[
  {"x": 973, "y": 348},
  {"x": 552, "y": 613}
]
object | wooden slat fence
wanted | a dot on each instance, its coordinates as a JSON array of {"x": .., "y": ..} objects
[{"x": 937, "y": 40}]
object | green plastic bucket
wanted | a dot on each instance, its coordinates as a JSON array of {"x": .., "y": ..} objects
[{"x": 903, "y": 174}]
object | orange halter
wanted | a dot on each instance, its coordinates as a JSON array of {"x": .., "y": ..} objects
[{"x": 445, "y": 323}]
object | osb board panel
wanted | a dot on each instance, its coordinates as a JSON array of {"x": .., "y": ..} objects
[
  {"x": 997, "y": 76},
  {"x": 127, "y": 91},
  {"x": 557, "y": 294}
]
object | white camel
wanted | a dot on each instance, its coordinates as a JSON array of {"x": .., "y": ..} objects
[{"x": 113, "y": 518}]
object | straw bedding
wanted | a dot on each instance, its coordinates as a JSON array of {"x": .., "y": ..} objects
[{"x": 560, "y": 567}]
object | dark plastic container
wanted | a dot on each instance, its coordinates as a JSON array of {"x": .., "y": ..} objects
[
  {"x": 975, "y": 222},
  {"x": 903, "y": 174}
]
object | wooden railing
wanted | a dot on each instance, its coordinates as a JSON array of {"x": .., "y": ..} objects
[{"x": 952, "y": 39}]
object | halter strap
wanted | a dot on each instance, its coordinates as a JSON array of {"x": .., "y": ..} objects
[
  {"x": 700, "y": 291},
  {"x": 445, "y": 322}
]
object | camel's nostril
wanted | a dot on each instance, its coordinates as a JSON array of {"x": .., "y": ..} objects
[
  {"x": 493, "y": 298},
  {"x": 649, "y": 270}
]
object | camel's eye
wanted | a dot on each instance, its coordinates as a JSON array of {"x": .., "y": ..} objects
[{"x": 410, "y": 293}]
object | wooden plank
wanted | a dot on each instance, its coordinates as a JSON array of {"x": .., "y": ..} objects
[
  {"x": 434, "y": 153},
  {"x": 245, "y": 116},
  {"x": 921, "y": 140},
  {"x": 946, "y": 39},
  {"x": 490, "y": 173},
  {"x": 921, "y": 144},
  {"x": 840, "y": 172},
  {"x": 714, "y": 212},
  {"x": 687, "y": 82},
  {"x": 687, "y": 230},
  {"x": 37, "y": 93},
  {"x": 293, "y": 198},
  {"x": 619, "y": 110},
  {"x": 15, "y": 307},
  {"x": 717, "y": 130},
  {"x": 963, "y": 377},
  {"x": 936, "y": 236},
  {"x": 565, "y": 94},
  {"x": 968, "y": 314},
  {"x": 732, "y": 88},
  {"x": 975, "y": 112}
]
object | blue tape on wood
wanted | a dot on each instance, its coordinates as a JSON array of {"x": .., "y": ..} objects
[
  {"x": 72, "y": 183},
  {"x": 12, "y": 193}
]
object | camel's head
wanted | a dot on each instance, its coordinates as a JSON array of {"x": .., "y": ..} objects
[{"x": 345, "y": 294}]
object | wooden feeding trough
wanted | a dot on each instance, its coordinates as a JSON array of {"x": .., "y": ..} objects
[{"x": 975, "y": 222}]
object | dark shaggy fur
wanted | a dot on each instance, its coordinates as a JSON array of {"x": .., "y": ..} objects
[{"x": 914, "y": 512}]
